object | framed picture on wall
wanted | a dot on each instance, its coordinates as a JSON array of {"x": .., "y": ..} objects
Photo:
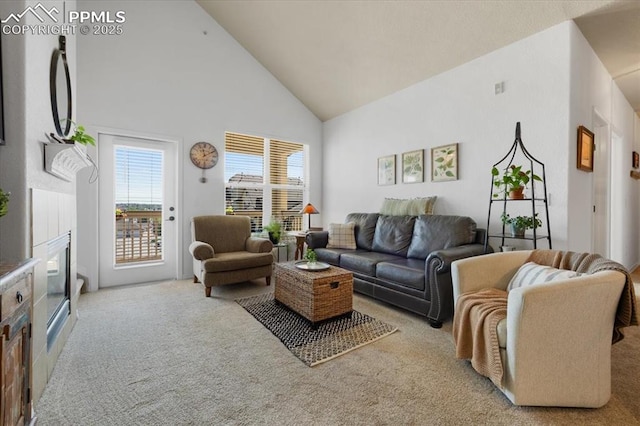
[
  {"x": 413, "y": 166},
  {"x": 387, "y": 170},
  {"x": 444, "y": 163},
  {"x": 585, "y": 149}
]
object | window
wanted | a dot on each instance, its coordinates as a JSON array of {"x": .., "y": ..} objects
[
  {"x": 265, "y": 179},
  {"x": 138, "y": 204}
]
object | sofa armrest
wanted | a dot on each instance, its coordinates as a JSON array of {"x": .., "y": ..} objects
[
  {"x": 317, "y": 239},
  {"x": 201, "y": 251},
  {"x": 258, "y": 245},
  {"x": 438, "y": 275},
  {"x": 440, "y": 260},
  {"x": 490, "y": 270}
]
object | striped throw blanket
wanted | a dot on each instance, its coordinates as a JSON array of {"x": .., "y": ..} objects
[{"x": 586, "y": 263}]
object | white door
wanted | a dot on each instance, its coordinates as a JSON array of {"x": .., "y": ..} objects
[
  {"x": 138, "y": 214},
  {"x": 601, "y": 189}
]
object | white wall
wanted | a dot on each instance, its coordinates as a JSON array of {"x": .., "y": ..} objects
[
  {"x": 175, "y": 72},
  {"x": 26, "y": 62},
  {"x": 553, "y": 83},
  {"x": 460, "y": 106},
  {"x": 593, "y": 91},
  {"x": 49, "y": 200},
  {"x": 636, "y": 190}
]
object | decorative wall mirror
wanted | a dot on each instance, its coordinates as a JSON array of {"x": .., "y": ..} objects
[{"x": 60, "y": 87}]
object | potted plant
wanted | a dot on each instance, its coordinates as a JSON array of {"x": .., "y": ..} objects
[
  {"x": 274, "y": 228},
  {"x": 519, "y": 224},
  {"x": 4, "y": 202},
  {"x": 513, "y": 181},
  {"x": 311, "y": 256},
  {"x": 81, "y": 137}
]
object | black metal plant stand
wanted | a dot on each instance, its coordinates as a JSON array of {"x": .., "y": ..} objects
[{"x": 518, "y": 145}]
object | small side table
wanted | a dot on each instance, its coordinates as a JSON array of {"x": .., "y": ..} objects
[
  {"x": 300, "y": 238},
  {"x": 280, "y": 252}
]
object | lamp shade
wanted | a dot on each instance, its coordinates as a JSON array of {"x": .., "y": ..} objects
[{"x": 309, "y": 209}]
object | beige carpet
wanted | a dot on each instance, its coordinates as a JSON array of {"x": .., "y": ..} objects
[{"x": 163, "y": 354}]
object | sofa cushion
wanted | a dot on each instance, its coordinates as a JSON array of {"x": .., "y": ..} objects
[
  {"x": 531, "y": 274},
  {"x": 364, "y": 229},
  {"x": 393, "y": 234},
  {"x": 341, "y": 235},
  {"x": 408, "y": 272},
  {"x": 408, "y": 207},
  {"x": 364, "y": 261},
  {"x": 332, "y": 255},
  {"x": 437, "y": 232},
  {"x": 235, "y": 260}
]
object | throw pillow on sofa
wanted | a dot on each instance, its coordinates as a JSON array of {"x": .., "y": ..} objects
[
  {"x": 342, "y": 235},
  {"x": 408, "y": 207},
  {"x": 531, "y": 274}
]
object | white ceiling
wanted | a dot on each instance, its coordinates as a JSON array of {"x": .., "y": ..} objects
[{"x": 338, "y": 55}]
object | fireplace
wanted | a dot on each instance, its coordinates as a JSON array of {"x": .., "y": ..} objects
[{"x": 58, "y": 286}]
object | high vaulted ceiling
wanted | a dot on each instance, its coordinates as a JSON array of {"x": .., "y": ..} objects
[{"x": 338, "y": 55}]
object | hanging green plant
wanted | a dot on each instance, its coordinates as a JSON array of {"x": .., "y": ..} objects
[{"x": 80, "y": 136}]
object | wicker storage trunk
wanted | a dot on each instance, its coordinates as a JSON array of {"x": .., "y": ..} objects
[{"x": 316, "y": 295}]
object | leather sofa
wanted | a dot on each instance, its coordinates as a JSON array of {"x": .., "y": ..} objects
[{"x": 405, "y": 260}]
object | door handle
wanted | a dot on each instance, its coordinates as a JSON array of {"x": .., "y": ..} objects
[{"x": 171, "y": 219}]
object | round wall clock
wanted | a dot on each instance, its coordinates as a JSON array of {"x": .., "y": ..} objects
[{"x": 204, "y": 155}]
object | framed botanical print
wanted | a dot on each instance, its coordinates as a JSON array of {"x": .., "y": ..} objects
[
  {"x": 585, "y": 149},
  {"x": 413, "y": 166},
  {"x": 387, "y": 170},
  {"x": 444, "y": 163}
]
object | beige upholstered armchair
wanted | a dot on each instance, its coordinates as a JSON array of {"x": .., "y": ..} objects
[
  {"x": 555, "y": 342},
  {"x": 224, "y": 252}
]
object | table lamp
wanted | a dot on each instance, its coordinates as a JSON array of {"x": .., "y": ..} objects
[{"x": 309, "y": 209}]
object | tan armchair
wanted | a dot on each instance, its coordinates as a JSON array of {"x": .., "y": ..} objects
[
  {"x": 555, "y": 343},
  {"x": 224, "y": 252}
]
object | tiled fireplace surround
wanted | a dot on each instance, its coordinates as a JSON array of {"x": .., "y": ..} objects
[{"x": 52, "y": 214}]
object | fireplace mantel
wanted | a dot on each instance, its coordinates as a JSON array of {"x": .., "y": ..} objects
[{"x": 64, "y": 160}]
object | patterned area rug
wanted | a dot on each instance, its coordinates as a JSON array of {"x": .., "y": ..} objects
[{"x": 331, "y": 339}]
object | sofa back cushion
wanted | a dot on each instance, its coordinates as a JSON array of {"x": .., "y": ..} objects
[
  {"x": 437, "y": 232},
  {"x": 393, "y": 234},
  {"x": 408, "y": 207},
  {"x": 364, "y": 229},
  {"x": 223, "y": 233}
]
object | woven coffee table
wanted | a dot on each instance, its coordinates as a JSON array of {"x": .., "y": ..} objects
[{"x": 316, "y": 295}]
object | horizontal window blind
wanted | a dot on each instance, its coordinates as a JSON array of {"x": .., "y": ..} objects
[
  {"x": 275, "y": 193},
  {"x": 138, "y": 177},
  {"x": 286, "y": 161},
  {"x": 244, "y": 159}
]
